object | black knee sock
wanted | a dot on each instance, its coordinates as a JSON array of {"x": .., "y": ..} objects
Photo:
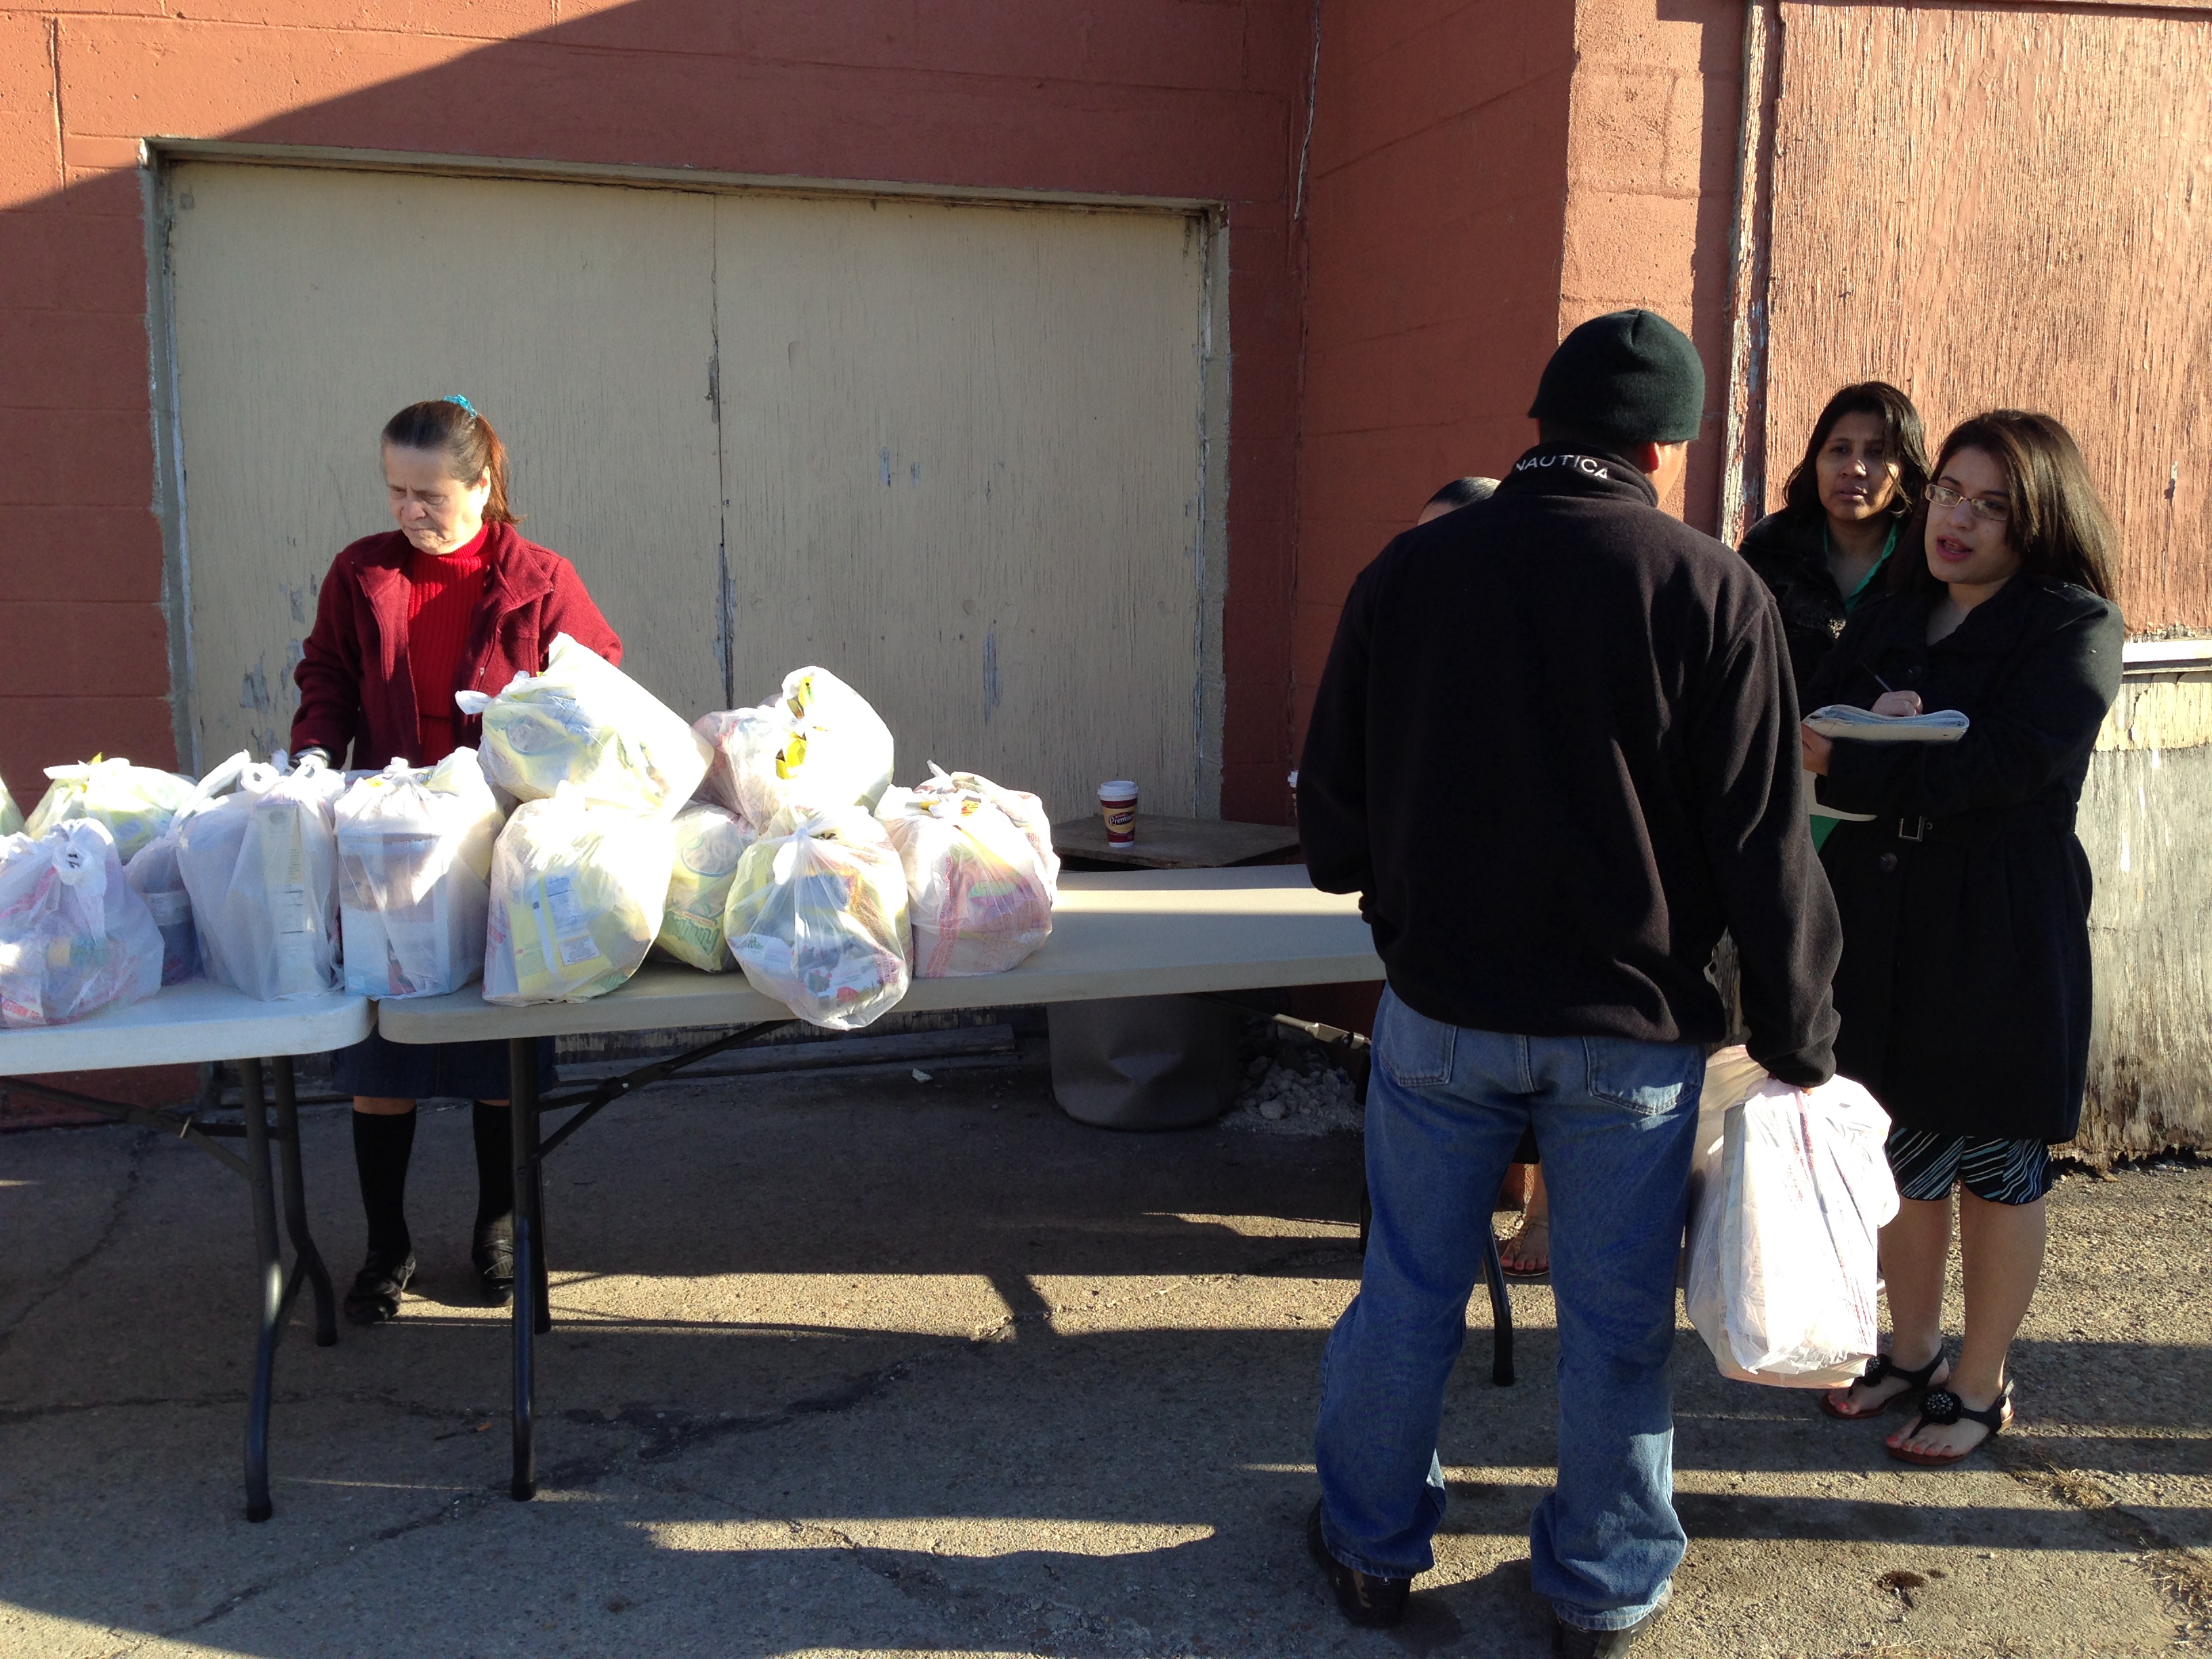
[
  {"x": 495, "y": 1170},
  {"x": 381, "y": 1146}
]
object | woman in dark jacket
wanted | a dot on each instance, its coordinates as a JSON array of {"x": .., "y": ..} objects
[
  {"x": 1862, "y": 473},
  {"x": 453, "y": 600},
  {"x": 1964, "y": 897}
]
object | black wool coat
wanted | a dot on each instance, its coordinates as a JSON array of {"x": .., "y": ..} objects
[
  {"x": 1555, "y": 752},
  {"x": 1789, "y": 551},
  {"x": 1965, "y": 986}
]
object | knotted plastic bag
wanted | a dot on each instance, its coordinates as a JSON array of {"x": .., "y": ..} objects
[
  {"x": 710, "y": 841},
  {"x": 818, "y": 917},
  {"x": 577, "y": 891},
  {"x": 74, "y": 936},
  {"x": 261, "y": 866},
  {"x": 134, "y": 802},
  {"x": 1786, "y": 1204},
  {"x": 980, "y": 893},
  {"x": 415, "y": 851},
  {"x": 816, "y": 745},
  {"x": 11, "y": 821},
  {"x": 583, "y": 721},
  {"x": 156, "y": 876}
]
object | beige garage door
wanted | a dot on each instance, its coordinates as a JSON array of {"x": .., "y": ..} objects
[{"x": 954, "y": 453}]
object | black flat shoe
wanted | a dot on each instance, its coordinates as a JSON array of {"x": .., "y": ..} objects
[
  {"x": 1576, "y": 1642},
  {"x": 493, "y": 1255},
  {"x": 374, "y": 1297},
  {"x": 1373, "y": 1603}
]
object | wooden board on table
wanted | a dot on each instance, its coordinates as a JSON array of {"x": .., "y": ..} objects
[{"x": 1164, "y": 842}]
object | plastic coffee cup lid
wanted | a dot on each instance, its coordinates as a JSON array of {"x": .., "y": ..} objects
[{"x": 1119, "y": 789}]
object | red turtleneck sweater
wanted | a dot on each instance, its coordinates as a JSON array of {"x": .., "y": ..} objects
[{"x": 442, "y": 591}]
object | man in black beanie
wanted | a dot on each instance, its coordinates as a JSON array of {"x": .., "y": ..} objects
[{"x": 1555, "y": 753}]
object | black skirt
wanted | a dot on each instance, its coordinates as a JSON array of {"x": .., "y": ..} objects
[{"x": 381, "y": 1068}]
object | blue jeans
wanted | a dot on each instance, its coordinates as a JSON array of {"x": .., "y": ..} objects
[{"x": 1616, "y": 1120}]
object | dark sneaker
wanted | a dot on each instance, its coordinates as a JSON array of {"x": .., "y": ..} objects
[
  {"x": 493, "y": 1255},
  {"x": 374, "y": 1297},
  {"x": 1376, "y": 1603},
  {"x": 1576, "y": 1642}
]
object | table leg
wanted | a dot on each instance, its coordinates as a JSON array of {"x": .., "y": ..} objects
[
  {"x": 1501, "y": 1316},
  {"x": 522, "y": 1136},
  {"x": 310, "y": 1259},
  {"x": 271, "y": 1261}
]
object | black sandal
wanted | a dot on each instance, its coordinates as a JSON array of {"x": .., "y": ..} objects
[
  {"x": 1941, "y": 1409},
  {"x": 374, "y": 1297},
  {"x": 1881, "y": 1369}
]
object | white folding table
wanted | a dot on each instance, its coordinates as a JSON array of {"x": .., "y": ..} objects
[
  {"x": 186, "y": 1025},
  {"x": 1150, "y": 932}
]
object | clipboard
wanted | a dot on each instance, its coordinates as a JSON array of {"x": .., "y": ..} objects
[{"x": 1842, "y": 722}]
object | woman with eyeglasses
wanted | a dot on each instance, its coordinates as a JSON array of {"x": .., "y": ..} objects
[{"x": 1964, "y": 897}]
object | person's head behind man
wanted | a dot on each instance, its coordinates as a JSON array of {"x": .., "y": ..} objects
[
  {"x": 1460, "y": 492},
  {"x": 1628, "y": 383}
]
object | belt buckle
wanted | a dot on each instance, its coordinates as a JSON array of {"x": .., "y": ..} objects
[{"x": 1913, "y": 829}]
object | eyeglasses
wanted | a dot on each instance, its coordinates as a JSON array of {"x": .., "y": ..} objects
[{"x": 1987, "y": 512}]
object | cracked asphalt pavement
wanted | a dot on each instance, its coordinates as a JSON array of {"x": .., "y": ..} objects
[{"x": 865, "y": 1366}]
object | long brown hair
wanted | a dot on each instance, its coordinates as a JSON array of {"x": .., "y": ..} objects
[
  {"x": 1906, "y": 441},
  {"x": 2055, "y": 521},
  {"x": 450, "y": 427}
]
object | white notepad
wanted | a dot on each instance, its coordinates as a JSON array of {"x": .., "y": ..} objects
[{"x": 1864, "y": 726}]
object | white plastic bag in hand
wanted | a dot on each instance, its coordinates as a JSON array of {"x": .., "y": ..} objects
[
  {"x": 577, "y": 891},
  {"x": 710, "y": 840},
  {"x": 134, "y": 802},
  {"x": 74, "y": 936},
  {"x": 818, "y": 917},
  {"x": 816, "y": 745},
  {"x": 261, "y": 866},
  {"x": 415, "y": 850},
  {"x": 11, "y": 821},
  {"x": 979, "y": 895},
  {"x": 1783, "y": 1227},
  {"x": 584, "y": 721},
  {"x": 155, "y": 874}
]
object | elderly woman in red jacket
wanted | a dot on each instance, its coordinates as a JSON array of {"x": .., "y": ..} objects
[{"x": 453, "y": 600}]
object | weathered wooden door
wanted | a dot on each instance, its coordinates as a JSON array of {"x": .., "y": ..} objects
[{"x": 954, "y": 453}]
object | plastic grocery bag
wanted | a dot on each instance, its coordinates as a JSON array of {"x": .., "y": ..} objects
[
  {"x": 817, "y": 744},
  {"x": 74, "y": 936},
  {"x": 710, "y": 840},
  {"x": 415, "y": 850},
  {"x": 11, "y": 821},
  {"x": 1785, "y": 1211},
  {"x": 584, "y": 721},
  {"x": 818, "y": 917},
  {"x": 157, "y": 877},
  {"x": 979, "y": 893},
  {"x": 577, "y": 891},
  {"x": 134, "y": 802},
  {"x": 261, "y": 866}
]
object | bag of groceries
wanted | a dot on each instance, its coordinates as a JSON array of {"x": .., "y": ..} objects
[
  {"x": 710, "y": 840},
  {"x": 74, "y": 936},
  {"x": 134, "y": 802},
  {"x": 415, "y": 848},
  {"x": 818, "y": 917},
  {"x": 979, "y": 894},
  {"x": 11, "y": 821},
  {"x": 156, "y": 876},
  {"x": 816, "y": 744},
  {"x": 577, "y": 889},
  {"x": 1787, "y": 1200},
  {"x": 583, "y": 721},
  {"x": 261, "y": 864}
]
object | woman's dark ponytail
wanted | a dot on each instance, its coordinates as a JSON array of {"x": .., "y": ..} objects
[{"x": 450, "y": 427}]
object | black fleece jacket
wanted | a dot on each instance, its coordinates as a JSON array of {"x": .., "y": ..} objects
[{"x": 1555, "y": 752}]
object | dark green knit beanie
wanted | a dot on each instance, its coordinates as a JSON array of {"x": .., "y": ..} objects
[{"x": 1629, "y": 374}]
